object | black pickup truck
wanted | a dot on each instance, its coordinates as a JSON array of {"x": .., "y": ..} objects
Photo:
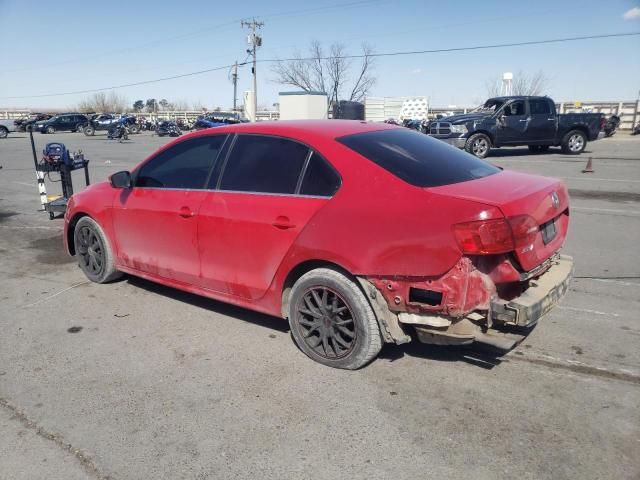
[{"x": 516, "y": 121}]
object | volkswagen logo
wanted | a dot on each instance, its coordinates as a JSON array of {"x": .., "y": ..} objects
[{"x": 555, "y": 200}]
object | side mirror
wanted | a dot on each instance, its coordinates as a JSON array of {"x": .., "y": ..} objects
[{"x": 121, "y": 180}]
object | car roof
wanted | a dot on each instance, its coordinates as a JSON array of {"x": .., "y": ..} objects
[
  {"x": 319, "y": 129},
  {"x": 518, "y": 97}
]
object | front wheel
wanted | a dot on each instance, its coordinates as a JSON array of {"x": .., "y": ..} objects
[
  {"x": 331, "y": 320},
  {"x": 79, "y": 128},
  {"x": 3, "y": 132},
  {"x": 134, "y": 129},
  {"x": 89, "y": 130},
  {"x": 51, "y": 130},
  {"x": 95, "y": 257},
  {"x": 479, "y": 145},
  {"x": 574, "y": 142}
]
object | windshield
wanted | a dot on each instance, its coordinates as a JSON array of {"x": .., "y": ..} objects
[
  {"x": 490, "y": 106},
  {"x": 417, "y": 158}
]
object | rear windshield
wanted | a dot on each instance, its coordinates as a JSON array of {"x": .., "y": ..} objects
[{"x": 417, "y": 158}]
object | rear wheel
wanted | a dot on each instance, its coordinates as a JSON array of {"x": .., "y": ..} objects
[
  {"x": 95, "y": 257},
  {"x": 89, "y": 130},
  {"x": 479, "y": 145},
  {"x": 331, "y": 320},
  {"x": 3, "y": 132},
  {"x": 134, "y": 129},
  {"x": 574, "y": 142}
]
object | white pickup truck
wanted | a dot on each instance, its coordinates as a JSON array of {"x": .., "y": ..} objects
[{"x": 7, "y": 126}]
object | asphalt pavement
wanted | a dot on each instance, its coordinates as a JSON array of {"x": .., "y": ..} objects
[{"x": 133, "y": 380}]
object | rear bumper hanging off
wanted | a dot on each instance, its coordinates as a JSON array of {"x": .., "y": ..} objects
[{"x": 541, "y": 296}]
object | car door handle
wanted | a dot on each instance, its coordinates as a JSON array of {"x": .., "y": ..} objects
[
  {"x": 283, "y": 223},
  {"x": 523, "y": 120},
  {"x": 551, "y": 119},
  {"x": 186, "y": 212}
]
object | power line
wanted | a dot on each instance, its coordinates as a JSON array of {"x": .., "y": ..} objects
[
  {"x": 191, "y": 34},
  {"x": 459, "y": 49},
  {"x": 384, "y": 54}
]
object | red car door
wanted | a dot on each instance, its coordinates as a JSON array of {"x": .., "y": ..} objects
[
  {"x": 155, "y": 222},
  {"x": 268, "y": 190}
]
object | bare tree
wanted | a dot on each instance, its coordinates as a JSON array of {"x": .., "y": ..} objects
[
  {"x": 522, "y": 84},
  {"x": 103, "y": 102},
  {"x": 340, "y": 77}
]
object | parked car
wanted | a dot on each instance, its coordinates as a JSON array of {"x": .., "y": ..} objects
[
  {"x": 515, "y": 121},
  {"x": 105, "y": 121},
  {"x": 24, "y": 124},
  {"x": 7, "y": 126},
  {"x": 357, "y": 233},
  {"x": 67, "y": 122}
]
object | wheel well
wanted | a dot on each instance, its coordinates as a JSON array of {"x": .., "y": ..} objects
[
  {"x": 298, "y": 271},
  {"x": 581, "y": 129},
  {"x": 72, "y": 227},
  {"x": 485, "y": 132}
]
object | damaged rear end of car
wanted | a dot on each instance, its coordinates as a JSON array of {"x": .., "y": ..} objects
[{"x": 509, "y": 272}]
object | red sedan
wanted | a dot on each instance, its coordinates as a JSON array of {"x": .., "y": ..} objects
[{"x": 357, "y": 233}]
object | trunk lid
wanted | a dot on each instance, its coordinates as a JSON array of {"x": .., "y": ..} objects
[{"x": 544, "y": 199}]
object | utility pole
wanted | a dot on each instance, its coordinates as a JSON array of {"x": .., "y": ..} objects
[
  {"x": 254, "y": 41},
  {"x": 234, "y": 77}
]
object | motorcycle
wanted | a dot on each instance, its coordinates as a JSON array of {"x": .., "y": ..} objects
[
  {"x": 118, "y": 132},
  {"x": 168, "y": 128},
  {"x": 611, "y": 125},
  {"x": 636, "y": 130}
]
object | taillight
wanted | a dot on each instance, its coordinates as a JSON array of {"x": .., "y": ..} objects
[
  {"x": 487, "y": 237},
  {"x": 525, "y": 229},
  {"x": 484, "y": 237}
]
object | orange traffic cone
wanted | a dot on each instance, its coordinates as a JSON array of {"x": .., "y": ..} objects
[{"x": 589, "y": 167}]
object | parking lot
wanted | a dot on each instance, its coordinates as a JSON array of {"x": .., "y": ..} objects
[{"x": 133, "y": 380}]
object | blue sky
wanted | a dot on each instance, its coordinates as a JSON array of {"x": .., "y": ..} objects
[{"x": 100, "y": 44}]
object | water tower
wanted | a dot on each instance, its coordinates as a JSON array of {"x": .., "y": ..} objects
[{"x": 507, "y": 83}]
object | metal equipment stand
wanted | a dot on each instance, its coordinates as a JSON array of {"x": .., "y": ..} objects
[{"x": 57, "y": 205}]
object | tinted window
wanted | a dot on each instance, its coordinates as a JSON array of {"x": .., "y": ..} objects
[
  {"x": 514, "y": 108},
  {"x": 185, "y": 165},
  {"x": 319, "y": 179},
  {"x": 264, "y": 164},
  {"x": 417, "y": 158},
  {"x": 539, "y": 107}
]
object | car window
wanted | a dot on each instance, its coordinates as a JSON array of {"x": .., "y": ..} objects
[
  {"x": 186, "y": 165},
  {"x": 264, "y": 164},
  {"x": 417, "y": 158},
  {"x": 320, "y": 178},
  {"x": 539, "y": 107},
  {"x": 515, "y": 108}
]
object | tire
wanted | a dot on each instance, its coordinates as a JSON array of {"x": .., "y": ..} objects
[
  {"x": 89, "y": 130},
  {"x": 574, "y": 142},
  {"x": 538, "y": 148},
  {"x": 50, "y": 129},
  {"x": 479, "y": 145},
  {"x": 28, "y": 128},
  {"x": 134, "y": 129},
  {"x": 4, "y": 133},
  {"x": 348, "y": 338},
  {"x": 95, "y": 257},
  {"x": 79, "y": 128}
]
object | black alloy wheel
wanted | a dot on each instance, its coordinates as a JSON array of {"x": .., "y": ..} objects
[
  {"x": 90, "y": 251},
  {"x": 327, "y": 323}
]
